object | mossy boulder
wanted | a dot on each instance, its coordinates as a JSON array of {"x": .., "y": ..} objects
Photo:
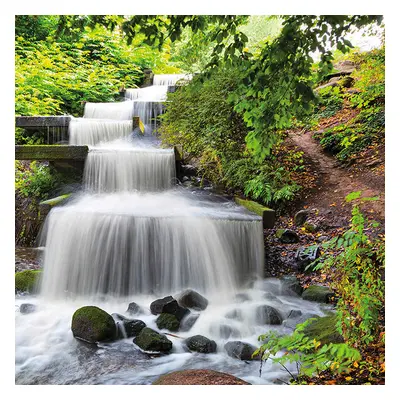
[
  {"x": 150, "y": 340},
  {"x": 291, "y": 285},
  {"x": 168, "y": 305},
  {"x": 324, "y": 330},
  {"x": 310, "y": 227},
  {"x": 27, "y": 281},
  {"x": 92, "y": 324},
  {"x": 134, "y": 309},
  {"x": 201, "y": 344},
  {"x": 321, "y": 294},
  {"x": 167, "y": 321}
]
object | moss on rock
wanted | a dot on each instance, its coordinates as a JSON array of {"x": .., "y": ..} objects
[
  {"x": 317, "y": 293},
  {"x": 167, "y": 321},
  {"x": 150, "y": 340},
  {"x": 27, "y": 281},
  {"x": 92, "y": 324},
  {"x": 324, "y": 330}
]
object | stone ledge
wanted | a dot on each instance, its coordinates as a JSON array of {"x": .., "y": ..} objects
[
  {"x": 268, "y": 214},
  {"x": 50, "y": 152}
]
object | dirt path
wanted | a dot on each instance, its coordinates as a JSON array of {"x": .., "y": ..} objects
[{"x": 335, "y": 182}]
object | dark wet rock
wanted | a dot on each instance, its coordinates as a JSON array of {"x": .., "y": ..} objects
[
  {"x": 168, "y": 305},
  {"x": 324, "y": 330},
  {"x": 27, "y": 281},
  {"x": 188, "y": 170},
  {"x": 27, "y": 308},
  {"x": 191, "y": 299},
  {"x": 185, "y": 179},
  {"x": 201, "y": 344},
  {"x": 291, "y": 322},
  {"x": 321, "y": 294},
  {"x": 93, "y": 324},
  {"x": 134, "y": 309},
  {"x": 199, "y": 377},
  {"x": 235, "y": 314},
  {"x": 294, "y": 314},
  {"x": 240, "y": 297},
  {"x": 291, "y": 285},
  {"x": 150, "y": 340},
  {"x": 128, "y": 327},
  {"x": 188, "y": 321},
  {"x": 301, "y": 217},
  {"x": 268, "y": 315},
  {"x": 241, "y": 350},
  {"x": 287, "y": 236},
  {"x": 167, "y": 321},
  {"x": 157, "y": 305}
]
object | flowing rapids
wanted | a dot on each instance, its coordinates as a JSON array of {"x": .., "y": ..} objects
[{"x": 132, "y": 234}]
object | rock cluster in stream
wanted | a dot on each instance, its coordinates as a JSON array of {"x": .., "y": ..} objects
[{"x": 91, "y": 324}]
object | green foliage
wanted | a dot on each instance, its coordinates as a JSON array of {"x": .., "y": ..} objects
[
  {"x": 330, "y": 102},
  {"x": 200, "y": 117},
  {"x": 309, "y": 356},
  {"x": 357, "y": 268},
  {"x": 36, "y": 180}
]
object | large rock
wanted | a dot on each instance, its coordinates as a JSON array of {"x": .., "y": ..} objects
[
  {"x": 168, "y": 305},
  {"x": 287, "y": 236},
  {"x": 191, "y": 299},
  {"x": 321, "y": 294},
  {"x": 201, "y": 344},
  {"x": 199, "y": 377},
  {"x": 267, "y": 315},
  {"x": 27, "y": 281},
  {"x": 167, "y": 321},
  {"x": 225, "y": 331},
  {"x": 92, "y": 324},
  {"x": 240, "y": 350},
  {"x": 150, "y": 340},
  {"x": 128, "y": 327},
  {"x": 324, "y": 330}
]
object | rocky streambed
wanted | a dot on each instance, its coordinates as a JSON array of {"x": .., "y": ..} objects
[{"x": 138, "y": 340}]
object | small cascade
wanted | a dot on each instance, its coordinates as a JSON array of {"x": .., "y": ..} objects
[
  {"x": 122, "y": 110},
  {"x": 169, "y": 79},
  {"x": 116, "y": 168},
  {"x": 89, "y": 131}
]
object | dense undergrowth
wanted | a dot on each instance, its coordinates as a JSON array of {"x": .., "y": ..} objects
[{"x": 201, "y": 116}]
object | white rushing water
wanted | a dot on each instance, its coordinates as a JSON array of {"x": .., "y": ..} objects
[
  {"x": 91, "y": 131},
  {"x": 122, "y": 110},
  {"x": 124, "y": 167},
  {"x": 133, "y": 235},
  {"x": 169, "y": 79}
]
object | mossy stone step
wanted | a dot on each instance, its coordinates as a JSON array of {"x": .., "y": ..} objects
[{"x": 268, "y": 214}]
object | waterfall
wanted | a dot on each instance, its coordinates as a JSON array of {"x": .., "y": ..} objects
[
  {"x": 169, "y": 79},
  {"x": 131, "y": 232},
  {"x": 93, "y": 131},
  {"x": 126, "y": 168},
  {"x": 147, "y": 243},
  {"x": 122, "y": 110}
]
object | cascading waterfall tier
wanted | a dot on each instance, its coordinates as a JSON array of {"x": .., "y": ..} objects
[
  {"x": 116, "y": 168},
  {"x": 89, "y": 131},
  {"x": 122, "y": 110},
  {"x": 169, "y": 79},
  {"x": 125, "y": 244}
]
